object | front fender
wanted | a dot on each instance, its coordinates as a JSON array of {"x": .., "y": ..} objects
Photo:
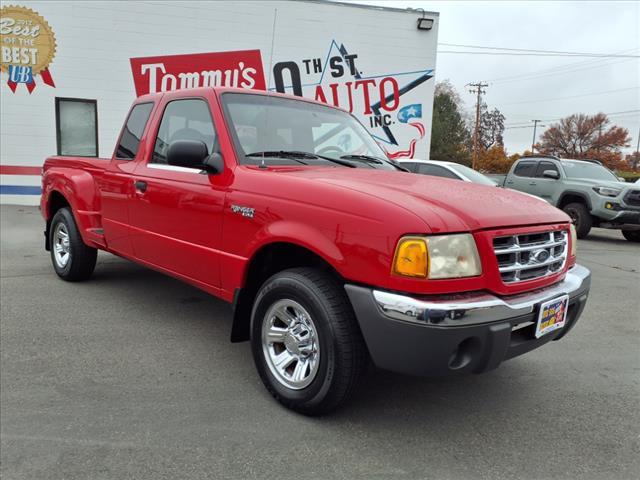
[{"x": 281, "y": 231}]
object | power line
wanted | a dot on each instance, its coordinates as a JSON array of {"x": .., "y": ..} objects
[
  {"x": 608, "y": 114},
  {"x": 566, "y": 68},
  {"x": 577, "y": 54},
  {"x": 556, "y": 71},
  {"x": 469, "y": 52},
  {"x": 572, "y": 96}
]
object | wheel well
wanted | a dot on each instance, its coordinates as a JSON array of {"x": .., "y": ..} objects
[
  {"x": 56, "y": 202},
  {"x": 568, "y": 198},
  {"x": 266, "y": 262}
]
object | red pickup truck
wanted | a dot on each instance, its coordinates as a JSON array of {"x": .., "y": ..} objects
[{"x": 331, "y": 254}]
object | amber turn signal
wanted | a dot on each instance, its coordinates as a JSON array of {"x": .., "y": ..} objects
[{"x": 411, "y": 258}]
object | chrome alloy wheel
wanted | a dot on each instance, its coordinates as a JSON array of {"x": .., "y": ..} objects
[
  {"x": 61, "y": 245},
  {"x": 290, "y": 344}
]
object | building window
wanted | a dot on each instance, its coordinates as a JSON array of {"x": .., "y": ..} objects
[{"x": 77, "y": 127}]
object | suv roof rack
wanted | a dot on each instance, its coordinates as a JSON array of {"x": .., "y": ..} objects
[
  {"x": 540, "y": 155},
  {"x": 588, "y": 160}
]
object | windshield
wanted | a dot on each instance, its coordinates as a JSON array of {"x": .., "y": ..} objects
[
  {"x": 282, "y": 129},
  {"x": 590, "y": 171},
  {"x": 471, "y": 174}
]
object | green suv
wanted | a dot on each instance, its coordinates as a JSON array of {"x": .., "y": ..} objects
[{"x": 587, "y": 191}]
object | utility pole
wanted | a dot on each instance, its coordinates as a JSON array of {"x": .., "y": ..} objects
[
  {"x": 533, "y": 142},
  {"x": 634, "y": 164},
  {"x": 478, "y": 90}
]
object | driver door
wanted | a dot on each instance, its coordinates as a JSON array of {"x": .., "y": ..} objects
[{"x": 176, "y": 212}]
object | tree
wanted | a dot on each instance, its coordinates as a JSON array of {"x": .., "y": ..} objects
[
  {"x": 491, "y": 127},
  {"x": 633, "y": 161},
  {"x": 495, "y": 160},
  {"x": 586, "y": 136},
  {"x": 449, "y": 133}
]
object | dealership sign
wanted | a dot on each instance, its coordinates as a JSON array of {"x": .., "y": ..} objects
[
  {"x": 241, "y": 69},
  {"x": 28, "y": 46},
  {"x": 388, "y": 104}
]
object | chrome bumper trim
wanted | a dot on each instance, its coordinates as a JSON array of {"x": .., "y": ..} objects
[{"x": 478, "y": 308}]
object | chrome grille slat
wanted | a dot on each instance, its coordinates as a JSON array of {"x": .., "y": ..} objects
[
  {"x": 518, "y": 248},
  {"x": 528, "y": 256},
  {"x": 520, "y": 266}
]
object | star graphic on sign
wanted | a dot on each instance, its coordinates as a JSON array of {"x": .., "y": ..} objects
[
  {"x": 411, "y": 111},
  {"x": 426, "y": 75}
]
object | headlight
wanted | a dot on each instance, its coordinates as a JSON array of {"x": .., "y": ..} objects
[
  {"x": 574, "y": 240},
  {"x": 437, "y": 257},
  {"x": 607, "y": 191}
]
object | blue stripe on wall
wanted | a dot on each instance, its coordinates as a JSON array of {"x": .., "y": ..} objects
[{"x": 19, "y": 190}]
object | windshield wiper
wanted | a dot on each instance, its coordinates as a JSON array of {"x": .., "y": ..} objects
[
  {"x": 372, "y": 159},
  {"x": 297, "y": 155},
  {"x": 364, "y": 158},
  {"x": 278, "y": 154}
]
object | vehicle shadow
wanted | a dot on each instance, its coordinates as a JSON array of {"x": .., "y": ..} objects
[
  {"x": 608, "y": 236},
  {"x": 383, "y": 397}
]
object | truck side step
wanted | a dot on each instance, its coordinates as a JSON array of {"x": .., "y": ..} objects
[{"x": 96, "y": 235}]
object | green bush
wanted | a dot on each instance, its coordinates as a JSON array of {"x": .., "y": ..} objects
[{"x": 629, "y": 176}]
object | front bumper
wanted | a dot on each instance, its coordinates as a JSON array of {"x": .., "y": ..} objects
[
  {"x": 436, "y": 336},
  {"x": 624, "y": 219}
]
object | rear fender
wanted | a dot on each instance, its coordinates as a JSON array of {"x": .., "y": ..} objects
[{"x": 79, "y": 189}]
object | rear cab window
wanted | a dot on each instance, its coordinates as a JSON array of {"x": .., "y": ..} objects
[{"x": 129, "y": 142}]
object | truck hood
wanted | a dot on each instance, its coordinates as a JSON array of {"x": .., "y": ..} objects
[
  {"x": 444, "y": 205},
  {"x": 599, "y": 183}
]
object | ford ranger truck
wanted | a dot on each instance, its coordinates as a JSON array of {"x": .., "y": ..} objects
[{"x": 330, "y": 254}]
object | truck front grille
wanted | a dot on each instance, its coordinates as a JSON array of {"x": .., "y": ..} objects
[
  {"x": 528, "y": 256},
  {"x": 632, "y": 198}
]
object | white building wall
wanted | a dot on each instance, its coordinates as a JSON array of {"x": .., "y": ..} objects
[{"x": 95, "y": 41}]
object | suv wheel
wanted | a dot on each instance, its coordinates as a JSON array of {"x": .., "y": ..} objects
[
  {"x": 631, "y": 235},
  {"x": 306, "y": 342},
  {"x": 72, "y": 260},
  {"x": 580, "y": 217}
]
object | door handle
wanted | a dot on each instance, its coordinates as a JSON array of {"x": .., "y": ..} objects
[
  {"x": 510, "y": 182},
  {"x": 140, "y": 186},
  {"x": 533, "y": 183}
]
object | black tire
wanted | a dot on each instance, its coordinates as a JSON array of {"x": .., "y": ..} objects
[
  {"x": 343, "y": 357},
  {"x": 82, "y": 258},
  {"x": 632, "y": 235},
  {"x": 581, "y": 218}
]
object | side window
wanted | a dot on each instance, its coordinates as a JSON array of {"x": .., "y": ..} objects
[
  {"x": 525, "y": 169},
  {"x": 409, "y": 166},
  {"x": 132, "y": 133},
  {"x": 436, "y": 171},
  {"x": 188, "y": 119},
  {"x": 542, "y": 166},
  {"x": 77, "y": 127}
]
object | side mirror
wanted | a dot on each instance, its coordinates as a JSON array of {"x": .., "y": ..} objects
[
  {"x": 214, "y": 163},
  {"x": 187, "y": 153},
  {"x": 551, "y": 174},
  {"x": 622, "y": 179}
]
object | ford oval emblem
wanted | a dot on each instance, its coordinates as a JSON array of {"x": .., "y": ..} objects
[{"x": 540, "y": 256}]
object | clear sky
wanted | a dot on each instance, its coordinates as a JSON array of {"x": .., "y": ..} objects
[{"x": 542, "y": 87}]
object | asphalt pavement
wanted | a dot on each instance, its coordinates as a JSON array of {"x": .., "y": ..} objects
[{"x": 131, "y": 375}]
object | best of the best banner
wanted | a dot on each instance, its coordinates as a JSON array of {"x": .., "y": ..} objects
[{"x": 28, "y": 46}]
